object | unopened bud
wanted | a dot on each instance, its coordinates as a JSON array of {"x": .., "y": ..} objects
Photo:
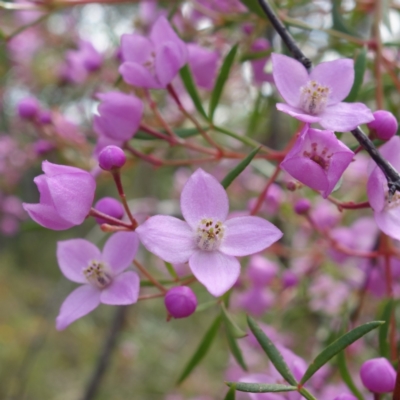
[
  {"x": 180, "y": 301},
  {"x": 302, "y": 206},
  {"x": 111, "y": 157},
  {"x": 378, "y": 375},
  {"x": 385, "y": 124},
  {"x": 109, "y": 206}
]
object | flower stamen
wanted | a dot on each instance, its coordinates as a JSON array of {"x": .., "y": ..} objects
[
  {"x": 97, "y": 274},
  {"x": 314, "y": 97},
  {"x": 209, "y": 234}
]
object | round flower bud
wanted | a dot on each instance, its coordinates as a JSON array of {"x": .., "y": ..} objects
[
  {"x": 378, "y": 375},
  {"x": 345, "y": 396},
  {"x": 302, "y": 206},
  {"x": 111, "y": 157},
  {"x": 289, "y": 279},
  {"x": 44, "y": 117},
  {"x": 28, "y": 108},
  {"x": 180, "y": 301},
  {"x": 111, "y": 207},
  {"x": 385, "y": 124}
]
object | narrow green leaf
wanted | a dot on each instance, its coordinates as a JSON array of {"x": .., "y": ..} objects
[
  {"x": 261, "y": 387},
  {"x": 236, "y": 331},
  {"x": 171, "y": 270},
  {"x": 272, "y": 352},
  {"x": 307, "y": 394},
  {"x": 221, "y": 79},
  {"x": 201, "y": 349},
  {"x": 190, "y": 86},
  {"x": 231, "y": 395},
  {"x": 254, "y": 6},
  {"x": 255, "y": 55},
  {"x": 347, "y": 379},
  {"x": 232, "y": 175},
  {"x": 338, "y": 345},
  {"x": 359, "y": 70},
  {"x": 235, "y": 349},
  {"x": 182, "y": 132},
  {"x": 338, "y": 22},
  {"x": 205, "y": 306},
  {"x": 384, "y": 329}
]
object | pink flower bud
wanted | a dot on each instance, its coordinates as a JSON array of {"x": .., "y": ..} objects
[
  {"x": 44, "y": 117},
  {"x": 385, "y": 124},
  {"x": 378, "y": 375},
  {"x": 109, "y": 206},
  {"x": 289, "y": 279},
  {"x": 43, "y": 146},
  {"x": 111, "y": 157},
  {"x": 180, "y": 301},
  {"x": 28, "y": 108},
  {"x": 302, "y": 206}
]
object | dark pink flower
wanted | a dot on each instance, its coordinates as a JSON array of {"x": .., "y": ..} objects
[{"x": 317, "y": 97}]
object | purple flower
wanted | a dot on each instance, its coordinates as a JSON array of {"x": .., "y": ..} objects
[
  {"x": 152, "y": 62},
  {"x": 180, "y": 301},
  {"x": 208, "y": 240},
  {"x": 318, "y": 159},
  {"x": 378, "y": 375},
  {"x": 101, "y": 274},
  {"x": 66, "y": 196},
  {"x": 203, "y": 64},
  {"x": 345, "y": 396},
  {"x": 120, "y": 115},
  {"x": 317, "y": 97}
]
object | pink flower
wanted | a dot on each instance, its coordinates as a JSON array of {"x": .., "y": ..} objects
[
  {"x": 207, "y": 239},
  {"x": 152, "y": 62},
  {"x": 317, "y": 97},
  {"x": 386, "y": 213},
  {"x": 203, "y": 63},
  {"x": 66, "y": 196},
  {"x": 318, "y": 159},
  {"x": 101, "y": 274}
]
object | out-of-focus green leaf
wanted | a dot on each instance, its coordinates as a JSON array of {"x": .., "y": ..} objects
[
  {"x": 255, "y": 56},
  {"x": 231, "y": 324},
  {"x": 338, "y": 22},
  {"x": 232, "y": 175},
  {"x": 190, "y": 86},
  {"x": 272, "y": 352},
  {"x": 171, "y": 270},
  {"x": 359, "y": 70},
  {"x": 338, "y": 345},
  {"x": 384, "y": 329},
  {"x": 201, "y": 351},
  {"x": 231, "y": 395},
  {"x": 221, "y": 80},
  {"x": 181, "y": 132},
  {"x": 347, "y": 379},
  {"x": 254, "y": 7},
  {"x": 261, "y": 387}
]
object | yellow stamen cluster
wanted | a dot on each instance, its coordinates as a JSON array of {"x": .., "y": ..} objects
[
  {"x": 314, "y": 97},
  {"x": 209, "y": 234}
]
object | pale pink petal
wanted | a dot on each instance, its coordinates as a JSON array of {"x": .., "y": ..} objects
[
  {"x": 162, "y": 32},
  {"x": 137, "y": 75},
  {"x": 376, "y": 186},
  {"x": 123, "y": 290},
  {"x": 46, "y": 216},
  {"x": 167, "y": 63},
  {"x": 343, "y": 117},
  {"x": 218, "y": 272},
  {"x": 51, "y": 169},
  {"x": 74, "y": 256},
  {"x": 289, "y": 76},
  {"x": 297, "y": 113},
  {"x": 120, "y": 250},
  {"x": 248, "y": 235},
  {"x": 338, "y": 75},
  {"x": 80, "y": 302},
  {"x": 388, "y": 221},
  {"x": 136, "y": 48},
  {"x": 168, "y": 238},
  {"x": 203, "y": 197},
  {"x": 391, "y": 150}
]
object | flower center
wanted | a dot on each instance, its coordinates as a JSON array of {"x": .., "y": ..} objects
[
  {"x": 322, "y": 158},
  {"x": 314, "y": 97},
  {"x": 209, "y": 234},
  {"x": 96, "y": 273},
  {"x": 393, "y": 202}
]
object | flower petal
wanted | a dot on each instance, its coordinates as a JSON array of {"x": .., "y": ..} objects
[
  {"x": 168, "y": 238},
  {"x": 297, "y": 113},
  {"x": 120, "y": 250},
  {"x": 52, "y": 170},
  {"x": 123, "y": 290},
  {"x": 136, "y": 48},
  {"x": 289, "y": 76},
  {"x": 137, "y": 75},
  {"x": 203, "y": 197},
  {"x": 248, "y": 235},
  {"x": 218, "y": 272},
  {"x": 343, "y": 117},
  {"x": 168, "y": 62},
  {"x": 79, "y": 303},
  {"x": 338, "y": 75},
  {"x": 74, "y": 256},
  {"x": 388, "y": 221}
]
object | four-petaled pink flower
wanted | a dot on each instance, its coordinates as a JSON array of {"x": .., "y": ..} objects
[
  {"x": 101, "y": 274},
  {"x": 317, "y": 97},
  {"x": 208, "y": 240},
  {"x": 318, "y": 159},
  {"x": 152, "y": 63},
  {"x": 66, "y": 196}
]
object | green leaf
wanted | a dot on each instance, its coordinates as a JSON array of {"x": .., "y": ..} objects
[
  {"x": 384, "y": 329},
  {"x": 338, "y": 22},
  {"x": 272, "y": 352},
  {"x": 235, "y": 349},
  {"x": 202, "y": 349},
  {"x": 232, "y": 175},
  {"x": 255, "y": 55},
  {"x": 171, "y": 270},
  {"x": 221, "y": 80},
  {"x": 231, "y": 395},
  {"x": 347, "y": 379},
  {"x": 254, "y": 7},
  {"x": 231, "y": 324},
  {"x": 261, "y": 387},
  {"x": 359, "y": 70},
  {"x": 190, "y": 86},
  {"x": 183, "y": 133},
  {"x": 307, "y": 394},
  {"x": 338, "y": 345}
]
